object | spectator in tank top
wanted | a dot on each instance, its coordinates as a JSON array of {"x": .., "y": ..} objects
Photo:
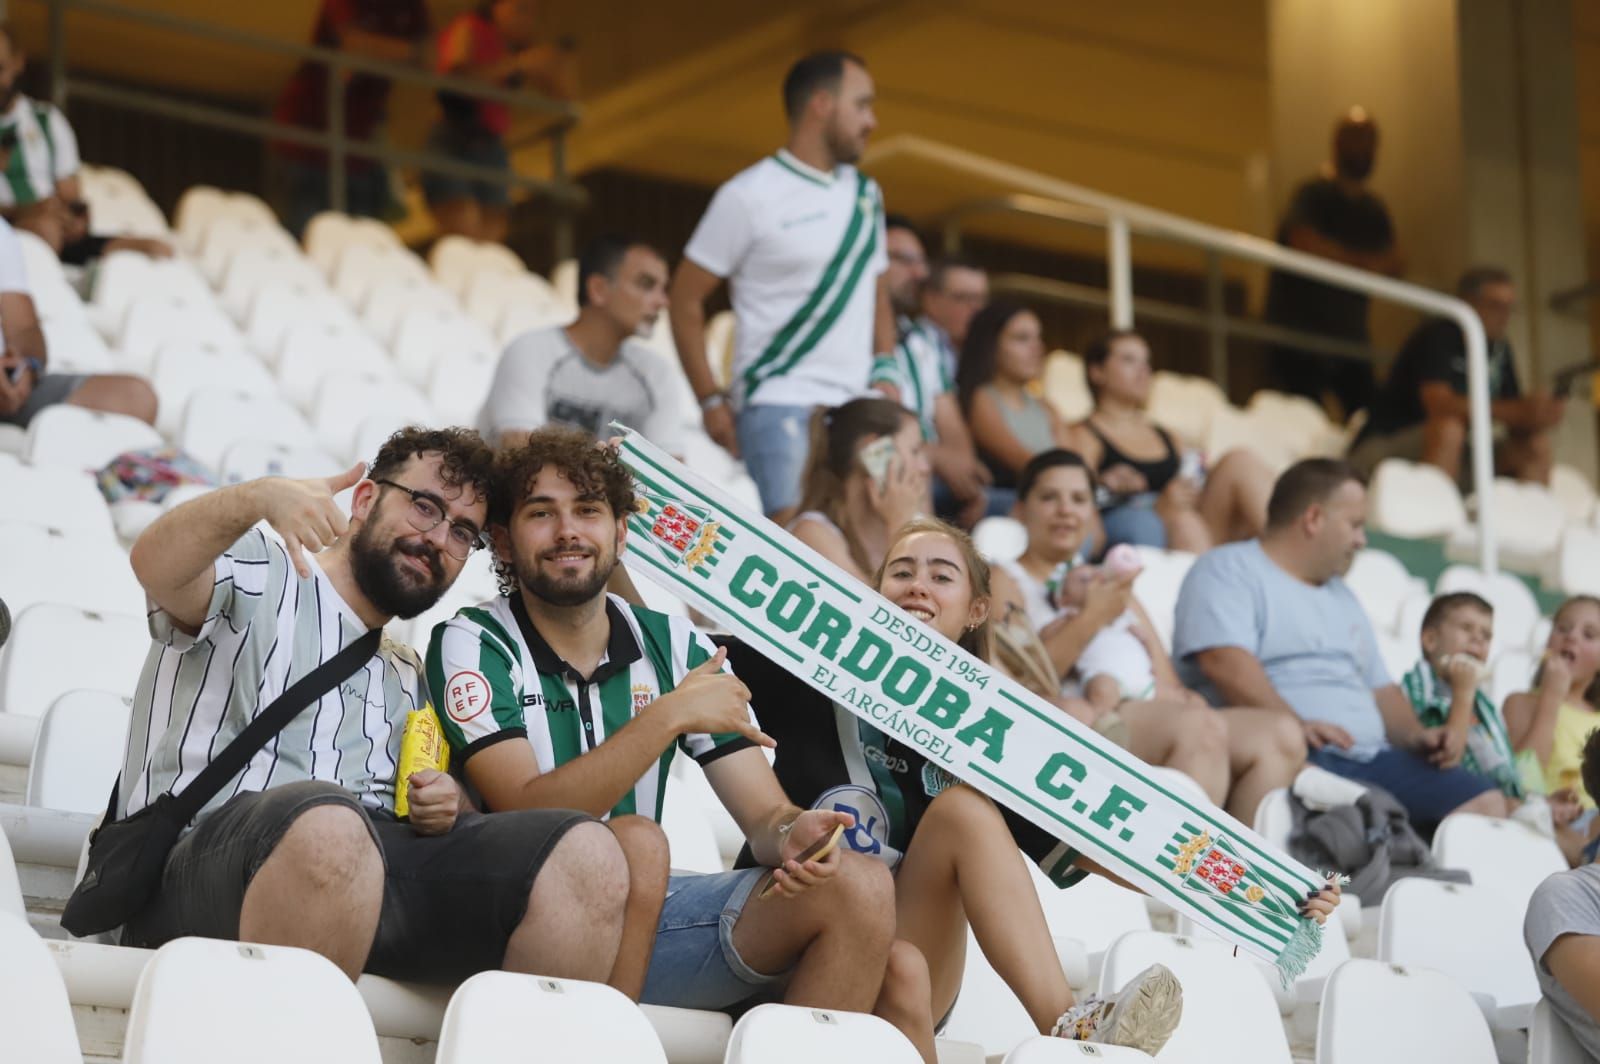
[
  {"x": 1001, "y": 363},
  {"x": 1147, "y": 497},
  {"x": 867, "y": 475}
]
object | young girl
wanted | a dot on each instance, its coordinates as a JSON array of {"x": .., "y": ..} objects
[
  {"x": 954, "y": 852},
  {"x": 866, "y": 475},
  {"x": 1555, "y": 718}
]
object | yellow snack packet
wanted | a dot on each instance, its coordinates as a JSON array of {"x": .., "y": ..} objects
[{"x": 422, "y": 745}]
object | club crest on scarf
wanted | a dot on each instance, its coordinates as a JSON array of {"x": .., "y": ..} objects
[
  {"x": 1209, "y": 865},
  {"x": 686, "y": 534}
]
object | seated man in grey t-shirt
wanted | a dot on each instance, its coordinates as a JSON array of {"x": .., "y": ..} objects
[
  {"x": 1270, "y": 623},
  {"x": 596, "y": 370},
  {"x": 1562, "y": 930}
]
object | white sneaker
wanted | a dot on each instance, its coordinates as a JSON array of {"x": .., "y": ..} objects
[
  {"x": 1141, "y": 1016},
  {"x": 1534, "y": 813}
]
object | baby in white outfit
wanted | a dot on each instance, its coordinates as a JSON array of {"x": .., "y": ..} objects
[{"x": 1115, "y": 665}]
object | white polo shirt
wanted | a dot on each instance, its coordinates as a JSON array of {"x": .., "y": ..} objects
[{"x": 802, "y": 251}]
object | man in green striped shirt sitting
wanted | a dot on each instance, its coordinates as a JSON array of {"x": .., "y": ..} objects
[{"x": 558, "y": 694}]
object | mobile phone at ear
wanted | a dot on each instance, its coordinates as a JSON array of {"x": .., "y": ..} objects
[{"x": 876, "y": 458}]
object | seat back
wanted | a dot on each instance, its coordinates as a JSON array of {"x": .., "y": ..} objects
[
  {"x": 77, "y": 751},
  {"x": 35, "y": 1016},
  {"x": 787, "y": 1034},
  {"x": 44, "y": 658},
  {"x": 1040, "y": 1050},
  {"x": 78, "y": 438},
  {"x": 1551, "y": 1041},
  {"x": 1469, "y": 933},
  {"x": 505, "y": 1016},
  {"x": 75, "y": 570},
  {"x": 200, "y": 1000},
  {"x": 11, "y": 901},
  {"x": 1215, "y": 983},
  {"x": 1375, "y": 1013},
  {"x": 1506, "y": 858}
]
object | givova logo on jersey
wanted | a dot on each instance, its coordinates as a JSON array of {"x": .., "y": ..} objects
[
  {"x": 870, "y": 835},
  {"x": 685, "y": 534}
]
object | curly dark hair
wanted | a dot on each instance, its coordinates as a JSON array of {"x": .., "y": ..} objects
[
  {"x": 465, "y": 458},
  {"x": 596, "y": 472}
]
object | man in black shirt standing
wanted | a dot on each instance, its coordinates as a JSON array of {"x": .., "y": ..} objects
[
  {"x": 1337, "y": 217},
  {"x": 1421, "y": 412}
]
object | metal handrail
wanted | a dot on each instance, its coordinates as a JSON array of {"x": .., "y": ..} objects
[
  {"x": 333, "y": 139},
  {"x": 1122, "y": 217}
]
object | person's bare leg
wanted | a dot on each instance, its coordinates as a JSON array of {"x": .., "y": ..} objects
[
  {"x": 1233, "y": 502},
  {"x": 1442, "y": 441},
  {"x": 644, "y": 845},
  {"x": 963, "y": 865},
  {"x": 117, "y": 393},
  {"x": 836, "y": 937},
  {"x": 1191, "y": 740},
  {"x": 494, "y": 222},
  {"x": 457, "y": 217},
  {"x": 573, "y": 926},
  {"x": 1187, "y": 530},
  {"x": 321, "y": 889},
  {"x": 1527, "y": 456},
  {"x": 906, "y": 1000},
  {"x": 1266, "y": 750}
]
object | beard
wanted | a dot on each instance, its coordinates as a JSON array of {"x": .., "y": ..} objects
[
  {"x": 843, "y": 148},
  {"x": 566, "y": 590},
  {"x": 391, "y": 586}
]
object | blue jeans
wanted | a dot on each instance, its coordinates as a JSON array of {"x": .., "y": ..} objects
[
  {"x": 1429, "y": 794},
  {"x": 694, "y": 965},
  {"x": 773, "y": 441},
  {"x": 1135, "y": 521}
]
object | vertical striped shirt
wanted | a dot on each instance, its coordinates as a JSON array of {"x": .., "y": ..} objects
[
  {"x": 916, "y": 369},
  {"x": 801, "y": 250},
  {"x": 497, "y": 679},
  {"x": 46, "y": 152},
  {"x": 265, "y": 629}
]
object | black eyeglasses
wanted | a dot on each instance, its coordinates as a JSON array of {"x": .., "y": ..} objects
[{"x": 426, "y": 514}]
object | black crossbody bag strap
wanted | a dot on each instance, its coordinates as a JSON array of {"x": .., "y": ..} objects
[{"x": 269, "y": 722}]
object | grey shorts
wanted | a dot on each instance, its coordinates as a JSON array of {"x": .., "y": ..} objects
[
  {"x": 695, "y": 965},
  {"x": 50, "y": 389},
  {"x": 450, "y": 902}
]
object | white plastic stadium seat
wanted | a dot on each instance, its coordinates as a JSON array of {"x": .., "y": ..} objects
[
  {"x": 690, "y": 839},
  {"x": 44, "y": 658},
  {"x": 180, "y": 372},
  {"x": 1158, "y": 586},
  {"x": 281, "y": 306},
  {"x": 199, "y": 1000},
  {"x": 1505, "y": 857},
  {"x": 427, "y": 336},
  {"x": 390, "y": 299},
  {"x": 505, "y": 1016},
  {"x": 1414, "y": 500},
  {"x": 1374, "y": 1013},
  {"x": 72, "y": 570},
  {"x": 1511, "y": 672},
  {"x": 1398, "y": 654},
  {"x": 35, "y": 1016},
  {"x": 1040, "y": 1050},
  {"x": 347, "y": 400},
  {"x": 786, "y": 1034},
  {"x": 1381, "y": 583},
  {"x": 457, "y": 389},
  {"x": 1551, "y": 1041},
  {"x": 1577, "y": 564},
  {"x": 1066, "y": 387},
  {"x": 196, "y": 208},
  {"x": 75, "y": 438},
  {"x": 1185, "y": 405},
  {"x": 363, "y": 266},
  {"x": 11, "y": 903},
  {"x": 987, "y": 1012},
  {"x": 217, "y": 417},
  {"x": 1000, "y": 539},
  {"x": 225, "y": 237},
  {"x": 1573, "y": 490},
  {"x": 74, "y": 344},
  {"x": 313, "y": 350},
  {"x": 1527, "y": 522},
  {"x": 1421, "y": 925},
  {"x": 77, "y": 751},
  {"x": 1215, "y": 983},
  {"x": 253, "y": 268},
  {"x": 1274, "y": 818},
  {"x": 151, "y": 323},
  {"x": 250, "y": 459},
  {"x": 56, "y": 498}
]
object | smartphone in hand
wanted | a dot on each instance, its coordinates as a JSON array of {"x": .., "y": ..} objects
[{"x": 876, "y": 458}]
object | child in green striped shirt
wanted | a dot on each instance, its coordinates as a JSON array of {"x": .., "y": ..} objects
[{"x": 1443, "y": 689}]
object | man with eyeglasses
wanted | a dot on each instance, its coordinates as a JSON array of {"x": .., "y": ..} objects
[
  {"x": 957, "y": 288},
  {"x": 304, "y": 848},
  {"x": 916, "y": 375}
]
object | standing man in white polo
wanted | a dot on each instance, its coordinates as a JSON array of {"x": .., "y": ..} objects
[{"x": 799, "y": 237}]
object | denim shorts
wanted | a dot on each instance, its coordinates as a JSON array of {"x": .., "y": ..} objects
[
  {"x": 1134, "y": 520},
  {"x": 773, "y": 441},
  {"x": 48, "y": 390},
  {"x": 1429, "y": 794},
  {"x": 694, "y": 965}
]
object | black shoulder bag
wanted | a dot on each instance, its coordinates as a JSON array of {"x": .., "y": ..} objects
[{"x": 127, "y": 857}]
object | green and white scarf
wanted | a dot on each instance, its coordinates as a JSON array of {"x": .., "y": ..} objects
[
  {"x": 969, "y": 719},
  {"x": 1488, "y": 751}
]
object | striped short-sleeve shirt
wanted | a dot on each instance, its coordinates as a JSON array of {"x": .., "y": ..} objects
[
  {"x": 265, "y": 629},
  {"x": 46, "y": 152},
  {"x": 496, "y": 678},
  {"x": 916, "y": 369}
]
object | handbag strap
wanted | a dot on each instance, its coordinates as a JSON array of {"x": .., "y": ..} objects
[{"x": 270, "y": 721}]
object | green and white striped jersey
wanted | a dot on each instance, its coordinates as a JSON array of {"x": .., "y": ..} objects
[
  {"x": 916, "y": 368},
  {"x": 46, "y": 152},
  {"x": 495, "y": 678},
  {"x": 265, "y": 629},
  {"x": 801, "y": 250}
]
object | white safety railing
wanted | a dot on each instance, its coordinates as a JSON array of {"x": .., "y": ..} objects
[{"x": 1123, "y": 218}]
